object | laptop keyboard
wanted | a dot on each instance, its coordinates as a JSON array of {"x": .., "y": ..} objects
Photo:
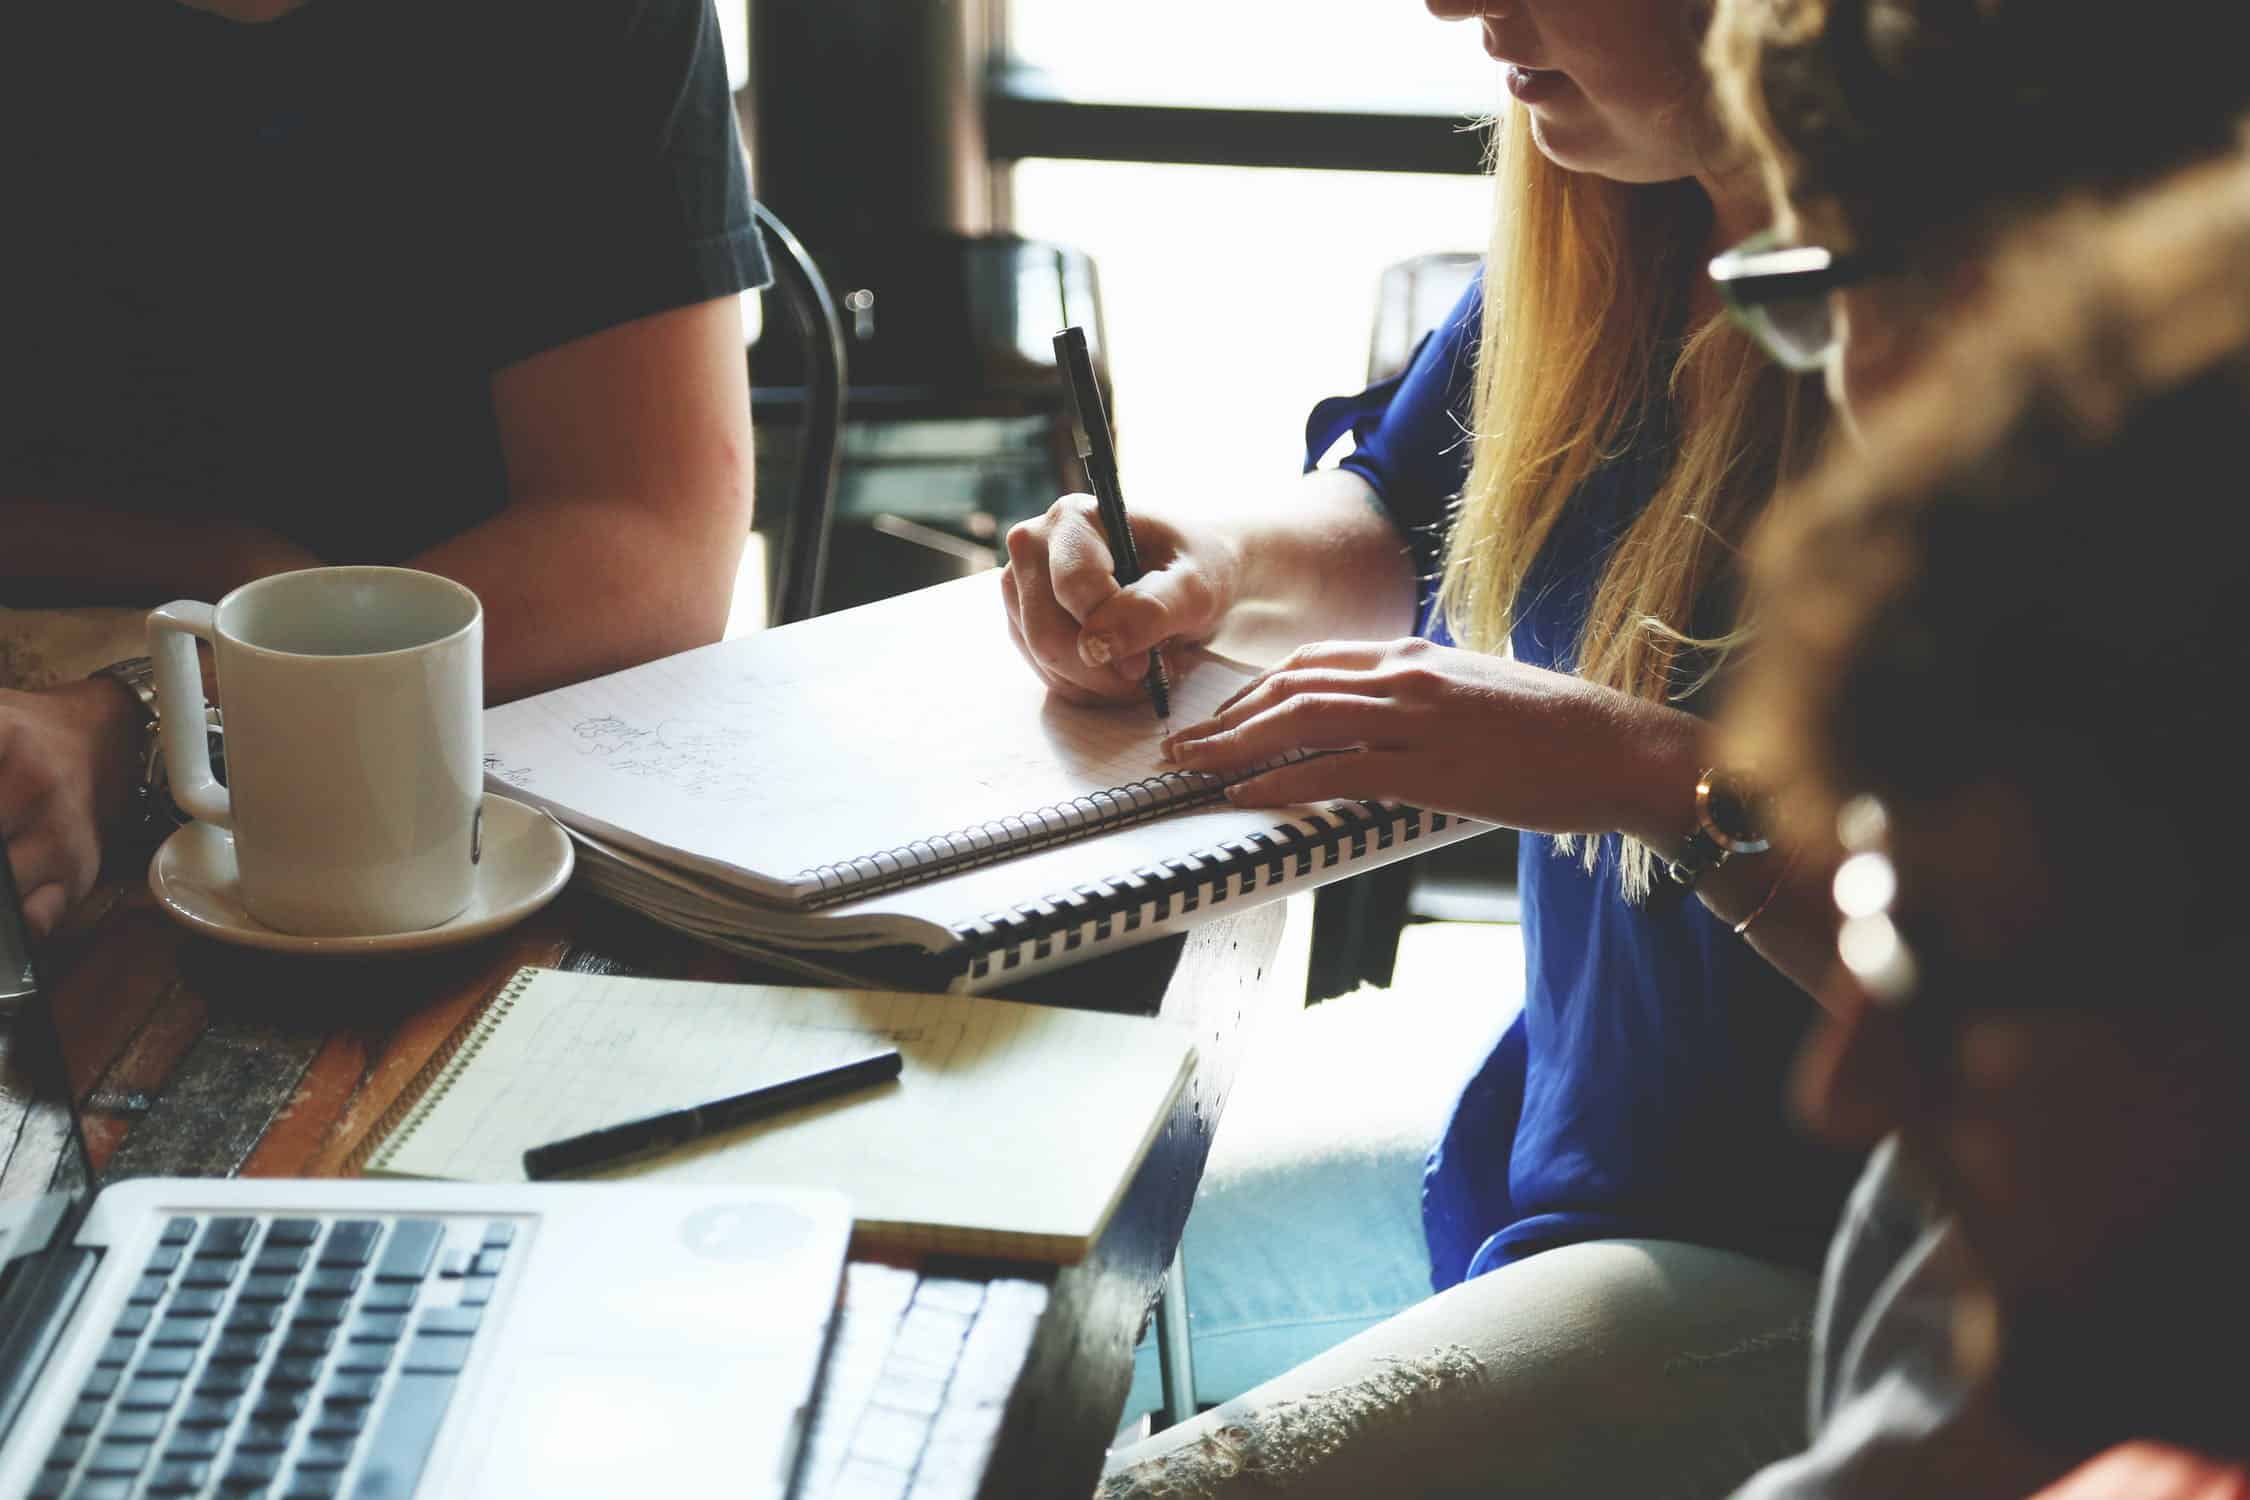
[{"x": 288, "y": 1357}]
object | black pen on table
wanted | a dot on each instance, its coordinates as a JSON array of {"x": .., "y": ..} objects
[
  {"x": 679, "y": 1127},
  {"x": 1095, "y": 445}
]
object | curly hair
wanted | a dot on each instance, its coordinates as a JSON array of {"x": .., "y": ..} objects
[
  {"x": 1920, "y": 124},
  {"x": 2032, "y": 570}
]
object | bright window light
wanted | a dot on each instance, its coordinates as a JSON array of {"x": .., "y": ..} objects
[
  {"x": 1309, "y": 54},
  {"x": 1236, "y": 297}
]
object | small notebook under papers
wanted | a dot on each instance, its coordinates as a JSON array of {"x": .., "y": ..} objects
[
  {"x": 896, "y": 777},
  {"x": 1012, "y": 1129}
]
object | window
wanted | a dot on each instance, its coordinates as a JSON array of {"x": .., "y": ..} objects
[
  {"x": 1353, "y": 56},
  {"x": 1236, "y": 295},
  {"x": 1240, "y": 175}
]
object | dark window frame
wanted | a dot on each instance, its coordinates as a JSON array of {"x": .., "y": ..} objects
[{"x": 1026, "y": 115}]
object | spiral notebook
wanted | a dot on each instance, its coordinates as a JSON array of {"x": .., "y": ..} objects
[
  {"x": 895, "y": 777},
  {"x": 1012, "y": 1129}
]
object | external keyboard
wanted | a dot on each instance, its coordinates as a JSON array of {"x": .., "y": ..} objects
[{"x": 300, "y": 1358}]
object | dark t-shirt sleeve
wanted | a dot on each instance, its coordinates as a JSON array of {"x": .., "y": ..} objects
[
  {"x": 1410, "y": 433},
  {"x": 626, "y": 195}
]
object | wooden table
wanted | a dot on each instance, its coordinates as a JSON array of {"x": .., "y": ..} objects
[{"x": 189, "y": 1058}]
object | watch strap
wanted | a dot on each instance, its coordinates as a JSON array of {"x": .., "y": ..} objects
[
  {"x": 137, "y": 675},
  {"x": 157, "y": 813},
  {"x": 1699, "y": 855}
]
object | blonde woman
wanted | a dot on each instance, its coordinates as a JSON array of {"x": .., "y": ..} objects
[{"x": 1622, "y": 1227}]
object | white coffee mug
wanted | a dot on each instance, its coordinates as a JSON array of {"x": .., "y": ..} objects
[{"x": 353, "y": 703}]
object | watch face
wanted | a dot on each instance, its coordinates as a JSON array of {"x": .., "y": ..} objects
[
  {"x": 1729, "y": 809},
  {"x": 1736, "y": 814}
]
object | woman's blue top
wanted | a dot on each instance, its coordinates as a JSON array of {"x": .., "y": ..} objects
[{"x": 1639, "y": 1093}]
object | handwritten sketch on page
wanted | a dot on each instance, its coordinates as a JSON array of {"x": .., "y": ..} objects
[{"x": 771, "y": 756}]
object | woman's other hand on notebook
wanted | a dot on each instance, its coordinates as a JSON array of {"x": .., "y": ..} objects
[
  {"x": 66, "y": 772},
  {"x": 1454, "y": 731},
  {"x": 1086, "y": 636}
]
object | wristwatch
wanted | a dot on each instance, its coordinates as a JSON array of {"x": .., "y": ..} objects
[
  {"x": 1729, "y": 820},
  {"x": 157, "y": 813}
]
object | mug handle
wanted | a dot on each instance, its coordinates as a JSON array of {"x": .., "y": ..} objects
[{"x": 172, "y": 633}]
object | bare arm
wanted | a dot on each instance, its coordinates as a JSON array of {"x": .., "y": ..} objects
[
  {"x": 1324, "y": 563},
  {"x": 1493, "y": 738},
  {"x": 69, "y": 553},
  {"x": 629, "y": 498},
  {"x": 1783, "y": 893},
  {"x": 628, "y": 457},
  {"x": 67, "y": 753}
]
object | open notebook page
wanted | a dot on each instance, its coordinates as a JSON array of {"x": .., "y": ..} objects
[
  {"x": 759, "y": 759},
  {"x": 1012, "y": 1128}
]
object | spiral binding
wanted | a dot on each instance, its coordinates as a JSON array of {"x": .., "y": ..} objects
[
  {"x": 1342, "y": 833},
  {"x": 1005, "y": 838},
  {"x": 429, "y": 1086}
]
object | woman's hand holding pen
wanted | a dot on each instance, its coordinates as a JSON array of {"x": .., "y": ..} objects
[
  {"x": 1087, "y": 637},
  {"x": 1454, "y": 731}
]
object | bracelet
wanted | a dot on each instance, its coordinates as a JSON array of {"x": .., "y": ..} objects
[{"x": 1772, "y": 891}]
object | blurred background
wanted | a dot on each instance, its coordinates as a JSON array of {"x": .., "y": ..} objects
[
  {"x": 1216, "y": 189},
  {"x": 1249, "y": 207}
]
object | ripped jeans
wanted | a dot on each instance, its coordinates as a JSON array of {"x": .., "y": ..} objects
[{"x": 1629, "y": 1368}]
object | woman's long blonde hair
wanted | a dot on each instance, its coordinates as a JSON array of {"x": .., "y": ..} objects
[{"x": 1587, "y": 296}]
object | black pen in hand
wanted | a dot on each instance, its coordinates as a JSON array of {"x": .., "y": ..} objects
[
  {"x": 633, "y": 1139},
  {"x": 1090, "y": 426}
]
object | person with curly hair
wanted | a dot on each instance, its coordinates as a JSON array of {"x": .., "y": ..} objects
[{"x": 1988, "y": 662}]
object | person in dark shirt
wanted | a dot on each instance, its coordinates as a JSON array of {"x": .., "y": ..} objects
[{"x": 444, "y": 283}]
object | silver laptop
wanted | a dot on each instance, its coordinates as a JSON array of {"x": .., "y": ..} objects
[{"x": 178, "y": 1336}]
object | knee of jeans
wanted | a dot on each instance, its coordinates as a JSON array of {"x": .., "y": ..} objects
[
  {"x": 1750, "y": 1393},
  {"x": 1273, "y": 1445},
  {"x": 1784, "y": 1345}
]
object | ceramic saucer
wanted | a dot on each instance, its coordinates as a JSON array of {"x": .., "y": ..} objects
[{"x": 527, "y": 859}]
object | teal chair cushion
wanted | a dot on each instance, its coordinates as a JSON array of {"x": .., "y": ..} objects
[{"x": 1307, "y": 1227}]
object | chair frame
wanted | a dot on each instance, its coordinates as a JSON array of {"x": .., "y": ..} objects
[{"x": 802, "y": 546}]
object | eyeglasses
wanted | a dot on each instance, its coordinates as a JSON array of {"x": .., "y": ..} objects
[
  {"x": 1904, "y": 965},
  {"x": 1868, "y": 941},
  {"x": 1892, "y": 968},
  {"x": 1936, "y": 973},
  {"x": 1779, "y": 295}
]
